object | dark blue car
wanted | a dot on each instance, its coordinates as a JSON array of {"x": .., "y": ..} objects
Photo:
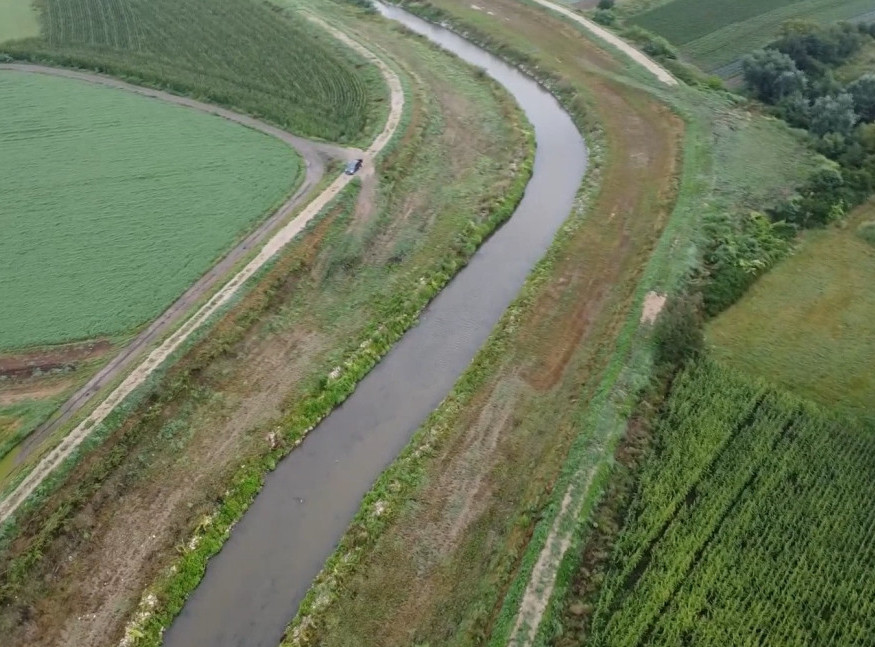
[{"x": 353, "y": 166}]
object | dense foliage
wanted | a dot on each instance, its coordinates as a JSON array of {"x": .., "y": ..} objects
[
  {"x": 113, "y": 204},
  {"x": 234, "y": 52},
  {"x": 795, "y": 76},
  {"x": 751, "y": 524}
]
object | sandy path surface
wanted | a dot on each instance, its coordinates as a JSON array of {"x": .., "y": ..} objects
[
  {"x": 279, "y": 240},
  {"x": 649, "y": 64},
  {"x": 315, "y": 155}
]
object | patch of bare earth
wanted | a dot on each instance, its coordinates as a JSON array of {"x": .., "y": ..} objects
[{"x": 39, "y": 361}]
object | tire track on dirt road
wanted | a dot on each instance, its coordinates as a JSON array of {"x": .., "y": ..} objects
[{"x": 314, "y": 156}]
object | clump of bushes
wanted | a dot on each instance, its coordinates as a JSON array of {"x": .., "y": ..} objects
[{"x": 794, "y": 75}]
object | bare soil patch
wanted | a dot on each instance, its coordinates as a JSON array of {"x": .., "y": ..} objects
[{"x": 31, "y": 363}]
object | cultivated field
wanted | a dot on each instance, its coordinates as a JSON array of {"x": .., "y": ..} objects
[
  {"x": 113, "y": 204},
  {"x": 715, "y": 34},
  {"x": 358, "y": 268},
  {"x": 233, "y": 52},
  {"x": 18, "y": 19},
  {"x": 751, "y": 524},
  {"x": 809, "y": 324}
]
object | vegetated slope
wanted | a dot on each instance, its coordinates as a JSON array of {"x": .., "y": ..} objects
[
  {"x": 18, "y": 19},
  {"x": 234, "y": 52},
  {"x": 113, "y": 203},
  {"x": 714, "y": 33},
  {"x": 809, "y": 324},
  {"x": 752, "y": 524}
]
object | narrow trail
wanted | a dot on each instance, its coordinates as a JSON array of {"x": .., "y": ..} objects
[
  {"x": 612, "y": 39},
  {"x": 314, "y": 154}
]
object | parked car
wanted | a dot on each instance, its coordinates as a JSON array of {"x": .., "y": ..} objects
[{"x": 353, "y": 166}]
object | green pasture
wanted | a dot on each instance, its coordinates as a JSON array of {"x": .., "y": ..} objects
[
  {"x": 18, "y": 19},
  {"x": 809, "y": 324},
  {"x": 111, "y": 204}
]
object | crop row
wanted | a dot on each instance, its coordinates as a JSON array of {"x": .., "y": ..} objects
[
  {"x": 752, "y": 524},
  {"x": 235, "y": 52}
]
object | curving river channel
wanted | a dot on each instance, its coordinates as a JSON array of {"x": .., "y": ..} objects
[{"x": 253, "y": 587}]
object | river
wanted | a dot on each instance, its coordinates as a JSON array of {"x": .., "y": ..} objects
[{"x": 253, "y": 587}]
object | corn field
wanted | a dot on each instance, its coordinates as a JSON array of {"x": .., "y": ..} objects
[
  {"x": 240, "y": 53},
  {"x": 753, "y": 524}
]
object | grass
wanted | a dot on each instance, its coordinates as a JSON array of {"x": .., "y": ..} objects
[
  {"x": 238, "y": 53},
  {"x": 809, "y": 324},
  {"x": 115, "y": 203},
  {"x": 716, "y": 34},
  {"x": 18, "y": 19},
  {"x": 681, "y": 21},
  {"x": 338, "y": 297},
  {"x": 750, "y": 524},
  {"x": 861, "y": 63}
]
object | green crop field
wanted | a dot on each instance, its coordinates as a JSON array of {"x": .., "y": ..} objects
[
  {"x": 714, "y": 34},
  {"x": 752, "y": 525},
  {"x": 111, "y": 204},
  {"x": 18, "y": 19},
  {"x": 236, "y": 52},
  {"x": 809, "y": 324}
]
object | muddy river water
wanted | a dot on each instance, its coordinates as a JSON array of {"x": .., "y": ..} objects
[{"x": 253, "y": 587}]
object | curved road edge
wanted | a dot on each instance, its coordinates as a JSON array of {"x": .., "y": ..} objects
[
  {"x": 600, "y": 32},
  {"x": 279, "y": 240}
]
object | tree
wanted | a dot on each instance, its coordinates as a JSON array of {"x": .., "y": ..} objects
[
  {"x": 863, "y": 92},
  {"x": 772, "y": 75},
  {"x": 833, "y": 114},
  {"x": 606, "y": 4}
]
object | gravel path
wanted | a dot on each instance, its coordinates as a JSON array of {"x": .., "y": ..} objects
[
  {"x": 314, "y": 154},
  {"x": 612, "y": 39}
]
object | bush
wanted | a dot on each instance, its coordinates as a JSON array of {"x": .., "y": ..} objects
[
  {"x": 833, "y": 114},
  {"x": 677, "y": 333},
  {"x": 772, "y": 75},
  {"x": 651, "y": 44},
  {"x": 606, "y": 4},
  {"x": 604, "y": 17},
  {"x": 740, "y": 250}
]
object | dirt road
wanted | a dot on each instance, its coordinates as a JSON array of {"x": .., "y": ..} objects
[
  {"x": 314, "y": 154},
  {"x": 639, "y": 57}
]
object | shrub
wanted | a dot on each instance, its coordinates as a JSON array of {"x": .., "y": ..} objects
[
  {"x": 677, "y": 333},
  {"x": 772, "y": 75}
]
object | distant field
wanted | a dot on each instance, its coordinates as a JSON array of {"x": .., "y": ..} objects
[
  {"x": 715, "y": 33},
  {"x": 234, "y": 52},
  {"x": 809, "y": 324},
  {"x": 111, "y": 204},
  {"x": 752, "y": 525},
  {"x": 18, "y": 19}
]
